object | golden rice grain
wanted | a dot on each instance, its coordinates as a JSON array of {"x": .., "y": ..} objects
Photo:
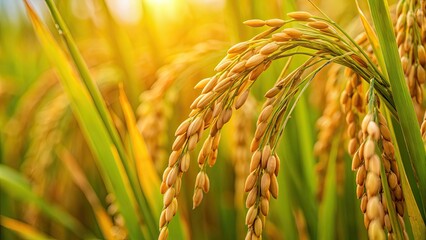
[
  {"x": 197, "y": 198},
  {"x": 292, "y": 32},
  {"x": 172, "y": 176},
  {"x": 257, "y": 229},
  {"x": 251, "y": 215},
  {"x": 250, "y": 181},
  {"x": 210, "y": 85},
  {"x": 241, "y": 99},
  {"x": 269, "y": 48},
  {"x": 251, "y": 197},
  {"x": 254, "y": 23},
  {"x": 255, "y": 160},
  {"x": 264, "y": 206},
  {"x": 164, "y": 234},
  {"x": 318, "y": 25},
  {"x": 168, "y": 197},
  {"x": 239, "y": 48},
  {"x": 255, "y": 60},
  {"x": 274, "y": 186},
  {"x": 276, "y": 22},
  {"x": 281, "y": 37},
  {"x": 299, "y": 15},
  {"x": 265, "y": 182},
  {"x": 223, "y": 65},
  {"x": 202, "y": 83},
  {"x": 184, "y": 165}
]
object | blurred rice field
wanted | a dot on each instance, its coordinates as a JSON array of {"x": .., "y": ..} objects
[{"x": 92, "y": 92}]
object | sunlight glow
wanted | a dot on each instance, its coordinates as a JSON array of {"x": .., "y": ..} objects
[{"x": 126, "y": 11}]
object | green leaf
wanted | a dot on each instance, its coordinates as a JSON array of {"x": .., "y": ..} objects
[
  {"x": 406, "y": 114},
  {"x": 24, "y": 230},
  {"x": 327, "y": 210},
  {"x": 93, "y": 128},
  {"x": 19, "y": 188}
]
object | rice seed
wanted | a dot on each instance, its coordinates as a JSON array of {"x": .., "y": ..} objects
[
  {"x": 274, "y": 186},
  {"x": 241, "y": 99},
  {"x": 375, "y": 208},
  {"x": 266, "y": 153},
  {"x": 269, "y": 48},
  {"x": 194, "y": 126},
  {"x": 255, "y": 160},
  {"x": 373, "y": 130},
  {"x": 184, "y": 165},
  {"x": 272, "y": 92},
  {"x": 163, "y": 187},
  {"x": 255, "y": 73},
  {"x": 264, "y": 206},
  {"x": 278, "y": 164},
  {"x": 254, "y": 23},
  {"x": 174, "y": 156},
  {"x": 169, "y": 213},
  {"x": 164, "y": 234},
  {"x": 206, "y": 185},
  {"x": 206, "y": 99},
  {"x": 257, "y": 229},
  {"x": 352, "y": 146},
  {"x": 292, "y": 32},
  {"x": 178, "y": 143},
  {"x": 192, "y": 142},
  {"x": 223, "y": 65},
  {"x": 197, "y": 198},
  {"x": 356, "y": 161},
  {"x": 369, "y": 149},
  {"x": 239, "y": 67},
  {"x": 281, "y": 37},
  {"x": 172, "y": 176},
  {"x": 251, "y": 215},
  {"x": 202, "y": 83},
  {"x": 178, "y": 185},
  {"x": 392, "y": 180},
  {"x": 361, "y": 175},
  {"x": 421, "y": 54},
  {"x": 271, "y": 165},
  {"x": 372, "y": 184},
  {"x": 238, "y": 48},
  {"x": 260, "y": 130},
  {"x": 375, "y": 230},
  {"x": 251, "y": 197},
  {"x": 265, "y": 183},
  {"x": 168, "y": 197},
  {"x": 299, "y": 15},
  {"x": 250, "y": 181},
  {"x": 255, "y": 60},
  {"x": 227, "y": 114},
  {"x": 210, "y": 85},
  {"x": 212, "y": 159},
  {"x": 162, "y": 220},
  {"x": 421, "y": 75},
  {"x": 364, "y": 201},
  {"x": 276, "y": 22},
  {"x": 318, "y": 25},
  {"x": 183, "y": 127},
  {"x": 374, "y": 165}
]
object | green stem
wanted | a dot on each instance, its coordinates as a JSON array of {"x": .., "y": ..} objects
[
  {"x": 102, "y": 110},
  {"x": 403, "y": 103}
]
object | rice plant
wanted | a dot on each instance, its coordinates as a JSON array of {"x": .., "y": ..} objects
[{"x": 184, "y": 126}]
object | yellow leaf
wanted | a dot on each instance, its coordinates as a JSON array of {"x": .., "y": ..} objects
[{"x": 148, "y": 178}]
